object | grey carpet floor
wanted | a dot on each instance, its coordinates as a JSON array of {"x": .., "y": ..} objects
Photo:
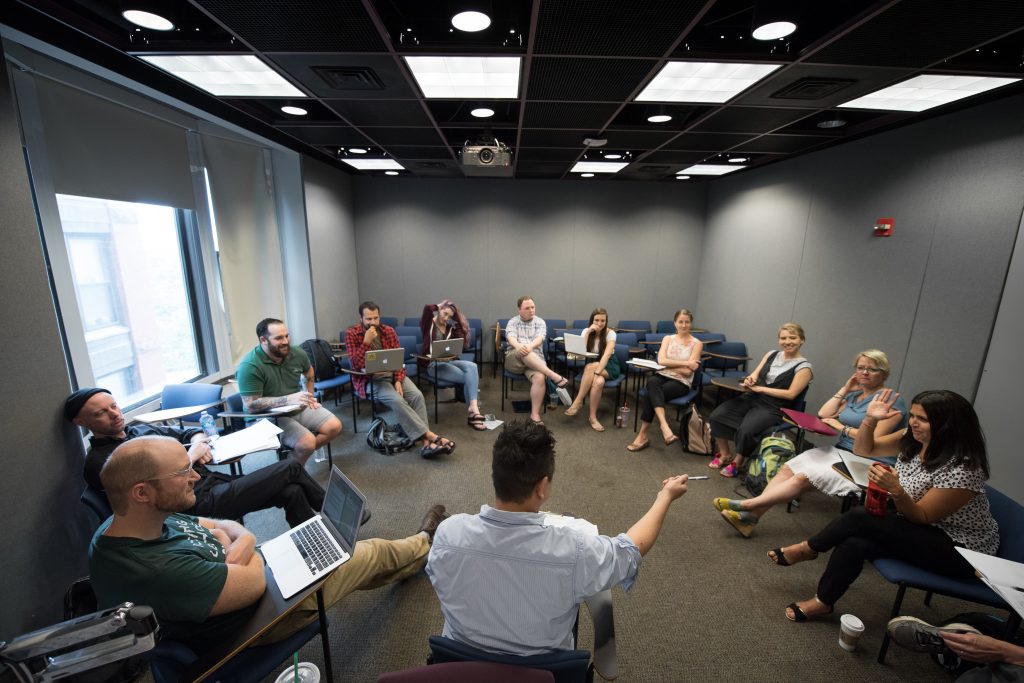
[{"x": 708, "y": 603}]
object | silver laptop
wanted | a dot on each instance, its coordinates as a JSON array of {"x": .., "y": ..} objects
[
  {"x": 384, "y": 360},
  {"x": 446, "y": 348},
  {"x": 314, "y": 548},
  {"x": 575, "y": 343}
]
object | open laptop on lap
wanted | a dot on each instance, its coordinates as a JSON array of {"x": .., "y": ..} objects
[
  {"x": 574, "y": 343},
  {"x": 446, "y": 348},
  {"x": 384, "y": 360},
  {"x": 319, "y": 545}
]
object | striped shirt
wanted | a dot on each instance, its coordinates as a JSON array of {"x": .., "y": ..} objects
[{"x": 525, "y": 332}]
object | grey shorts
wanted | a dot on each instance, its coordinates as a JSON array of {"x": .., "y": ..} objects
[
  {"x": 513, "y": 363},
  {"x": 302, "y": 423}
]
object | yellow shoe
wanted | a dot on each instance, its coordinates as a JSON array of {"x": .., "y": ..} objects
[
  {"x": 721, "y": 504},
  {"x": 743, "y": 522}
]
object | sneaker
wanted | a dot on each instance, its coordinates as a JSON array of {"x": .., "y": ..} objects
[
  {"x": 563, "y": 395},
  {"x": 728, "y": 472},
  {"x": 432, "y": 520},
  {"x": 920, "y": 636}
]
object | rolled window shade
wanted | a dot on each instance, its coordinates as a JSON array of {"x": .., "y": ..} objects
[{"x": 101, "y": 149}]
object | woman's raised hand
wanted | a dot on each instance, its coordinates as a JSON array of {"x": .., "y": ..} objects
[{"x": 880, "y": 407}]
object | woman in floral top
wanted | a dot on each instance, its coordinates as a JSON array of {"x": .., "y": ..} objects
[{"x": 938, "y": 488}]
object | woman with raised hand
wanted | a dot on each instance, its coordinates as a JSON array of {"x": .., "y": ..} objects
[
  {"x": 843, "y": 411},
  {"x": 600, "y": 340},
  {"x": 775, "y": 383},
  {"x": 937, "y": 487},
  {"x": 445, "y": 321},
  {"x": 680, "y": 354}
]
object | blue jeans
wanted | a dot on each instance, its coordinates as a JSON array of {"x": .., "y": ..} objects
[{"x": 459, "y": 372}]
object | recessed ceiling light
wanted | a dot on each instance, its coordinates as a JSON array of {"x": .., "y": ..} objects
[
  {"x": 738, "y": 160},
  {"x": 659, "y": 118},
  {"x": 776, "y": 29},
  {"x": 710, "y": 169},
  {"x": 390, "y": 172},
  {"x": 357, "y": 150},
  {"x": 598, "y": 166},
  {"x": 831, "y": 123},
  {"x": 226, "y": 75},
  {"x": 471, "y": 22},
  {"x": 482, "y": 112},
  {"x": 586, "y": 175},
  {"x": 612, "y": 155},
  {"x": 147, "y": 20},
  {"x": 703, "y": 81},
  {"x": 927, "y": 91},
  {"x": 595, "y": 142},
  {"x": 466, "y": 77},
  {"x": 294, "y": 111},
  {"x": 375, "y": 164},
  {"x": 682, "y": 177}
]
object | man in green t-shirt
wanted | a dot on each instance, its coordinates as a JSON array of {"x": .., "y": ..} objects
[
  {"x": 203, "y": 577},
  {"x": 269, "y": 376}
]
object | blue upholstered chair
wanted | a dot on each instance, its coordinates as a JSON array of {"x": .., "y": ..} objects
[
  {"x": 97, "y": 502},
  {"x": 581, "y": 324},
  {"x": 638, "y": 327},
  {"x": 411, "y": 331},
  {"x": 709, "y": 338},
  {"x": 680, "y": 402},
  {"x": 391, "y": 321},
  {"x": 191, "y": 394},
  {"x": 726, "y": 359},
  {"x": 567, "y": 666},
  {"x": 411, "y": 347},
  {"x": 665, "y": 326},
  {"x": 1010, "y": 516},
  {"x": 411, "y": 322}
]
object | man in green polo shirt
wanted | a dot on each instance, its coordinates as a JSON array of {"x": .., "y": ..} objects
[{"x": 268, "y": 377}]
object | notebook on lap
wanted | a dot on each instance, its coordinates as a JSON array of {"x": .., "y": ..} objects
[
  {"x": 576, "y": 344},
  {"x": 808, "y": 422},
  {"x": 384, "y": 360},
  {"x": 854, "y": 467},
  {"x": 314, "y": 548},
  {"x": 446, "y": 348}
]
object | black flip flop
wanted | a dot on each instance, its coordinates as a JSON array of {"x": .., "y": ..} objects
[
  {"x": 780, "y": 559},
  {"x": 476, "y": 422}
]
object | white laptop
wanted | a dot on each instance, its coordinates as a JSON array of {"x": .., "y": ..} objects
[
  {"x": 316, "y": 547},
  {"x": 446, "y": 348},
  {"x": 574, "y": 343},
  {"x": 384, "y": 360}
]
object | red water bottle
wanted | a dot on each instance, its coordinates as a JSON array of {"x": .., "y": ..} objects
[{"x": 877, "y": 497}]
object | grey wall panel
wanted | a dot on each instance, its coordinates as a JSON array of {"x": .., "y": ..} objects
[
  {"x": 46, "y": 528},
  {"x": 332, "y": 246},
  {"x": 633, "y": 249}
]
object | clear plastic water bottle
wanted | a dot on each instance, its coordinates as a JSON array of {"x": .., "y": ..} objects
[
  {"x": 622, "y": 416},
  {"x": 209, "y": 427},
  {"x": 302, "y": 382}
]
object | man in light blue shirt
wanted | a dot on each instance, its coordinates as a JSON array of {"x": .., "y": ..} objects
[{"x": 510, "y": 583}]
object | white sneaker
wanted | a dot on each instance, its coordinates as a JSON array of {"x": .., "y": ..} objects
[
  {"x": 563, "y": 394},
  {"x": 920, "y": 636}
]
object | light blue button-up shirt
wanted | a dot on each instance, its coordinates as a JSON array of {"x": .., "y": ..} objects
[{"x": 509, "y": 583}]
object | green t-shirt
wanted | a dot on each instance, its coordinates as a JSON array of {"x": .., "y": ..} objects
[
  {"x": 257, "y": 375},
  {"x": 180, "y": 575}
]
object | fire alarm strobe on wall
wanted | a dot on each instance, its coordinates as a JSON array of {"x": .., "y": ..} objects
[{"x": 883, "y": 227}]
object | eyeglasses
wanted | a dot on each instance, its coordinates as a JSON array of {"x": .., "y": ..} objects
[
  {"x": 183, "y": 472},
  {"x": 872, "y": 371}
]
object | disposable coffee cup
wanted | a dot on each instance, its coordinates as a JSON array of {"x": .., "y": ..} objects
[
  {"x": 850, "y": 630},
  {"x": 307, "y": 673}
]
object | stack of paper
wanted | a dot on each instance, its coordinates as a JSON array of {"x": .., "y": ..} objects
[
  {"x": 644, "y": 363},
  {"x": 261, "y": 436},
  {"x": 1005, "y": 577},
  {"x": 577, "y": 523}
]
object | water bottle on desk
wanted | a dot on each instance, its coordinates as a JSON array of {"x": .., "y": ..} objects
[
  {"x": 622, "y": 416},
  {"x": 209, "y": 427}
]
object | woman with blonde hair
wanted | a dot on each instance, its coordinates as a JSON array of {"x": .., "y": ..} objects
[
  {"x": 843, "y": 411},
  {"x": 600, "y": 340},
  {"x": 775, "y": 383}
]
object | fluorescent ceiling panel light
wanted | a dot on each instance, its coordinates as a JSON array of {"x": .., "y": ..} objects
[
  {"x": 598, "y": 166},
  {"x": 482, "y": 113},
  {"x": 466, "y": 77},
  {"x": 471, "y": 22},
  {"x": 294, "y": 111},
  {"x": 659, "y": 118},
  {"x": 703, "y": 81},
  {"x": 226, "y": 75},
  {"x": 710, "y": 169},
  {"x": 924, "y": 92},
  {"x": 774, "y": 30},
  {"x": 147, "y": 20},
  {"x": 375, "y": 164}
]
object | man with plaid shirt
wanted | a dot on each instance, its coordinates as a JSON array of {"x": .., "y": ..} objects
[
  {"x": 526, "y": 334},
  {"x": 393, "y": 389}
]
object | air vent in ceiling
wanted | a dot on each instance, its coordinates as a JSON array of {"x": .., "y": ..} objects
[
  {"x": 812, "y": 88},
  {"x": 349, "y": 77},
  {"x": 654, "y": 169}
]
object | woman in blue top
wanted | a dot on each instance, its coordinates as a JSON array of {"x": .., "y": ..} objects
[{"x": 844, "y": 411}]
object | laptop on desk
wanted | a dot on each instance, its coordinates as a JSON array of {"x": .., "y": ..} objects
[
  {"x": 319, "y": 545},
  {"x": 446, "y": 348},
  {"x": 575, "y": 344},
  {"x": 384, "y": 360}
]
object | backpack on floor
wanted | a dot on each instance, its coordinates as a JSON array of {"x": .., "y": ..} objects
[
  {"x": 775, "y": 452},
  {"x": 387, "y": 439},
  {"x": 695, "y": 433}
]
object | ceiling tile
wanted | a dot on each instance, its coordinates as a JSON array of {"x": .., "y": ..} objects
[{"x": 586, "y": 80}]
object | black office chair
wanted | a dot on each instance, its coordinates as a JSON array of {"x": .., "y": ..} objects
[{"x": 97, "y": 502}]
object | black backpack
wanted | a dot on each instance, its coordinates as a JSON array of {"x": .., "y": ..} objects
[
  {"x": 387, "y": 439},
  {"x": 321, "y": 357}
]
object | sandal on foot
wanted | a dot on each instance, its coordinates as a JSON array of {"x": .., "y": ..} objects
[
  {"x": 562, "y": 383},
  {"x": 800, "y": 617},
  {"x": 539, "y": 423},
  {"x": 728, "y": 472},
  {"x": 476, "y": 422},
  {"x": 778, "y": 557},
  {"x": 726, "y": 504},
  {"x": 447, "y": 445},
  {"x": 636, "y": 448},
  {"x": 671, "y": 440},
  {"x": 571, "y": 411},
  {"x": 596, "y": 426},
  {"x": 743, "y": 522},
  {"x": 431, "y": 451},
  {"x": 716, "y": 463}
]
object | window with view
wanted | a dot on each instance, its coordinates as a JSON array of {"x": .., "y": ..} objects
[{"x": 128, "y": 266}]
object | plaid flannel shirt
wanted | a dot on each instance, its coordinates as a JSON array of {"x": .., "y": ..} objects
[
  {"x": 525, "y": 332},
  {"x": 357, "y": 353}
]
